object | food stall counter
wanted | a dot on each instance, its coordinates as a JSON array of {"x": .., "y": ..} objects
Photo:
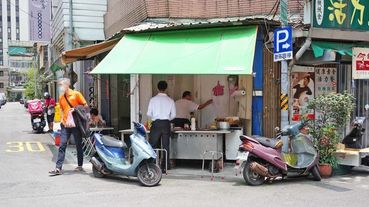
[
  {"x": 193, "y": 145},
  {"x": 203, "y": 132}
]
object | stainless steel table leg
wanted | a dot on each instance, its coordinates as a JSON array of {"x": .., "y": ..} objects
[{"x": 213, "y": 157}]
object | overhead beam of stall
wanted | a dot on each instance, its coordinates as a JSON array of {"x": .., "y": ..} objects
[
  {"x": 87, "y": 52},
  {"x": 226, "y": 50}
]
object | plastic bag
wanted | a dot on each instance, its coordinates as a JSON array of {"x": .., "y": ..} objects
[
  {"x": 50, "y": 110},
  {"x": 70, "y": 121}
]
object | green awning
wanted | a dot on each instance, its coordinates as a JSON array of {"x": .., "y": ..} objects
[
  {"x": 20, "y": 51},
  {"x": 57, "y": 65},
  {"x": 197, "y": 51},
  {"x": 341, "y": 48}
]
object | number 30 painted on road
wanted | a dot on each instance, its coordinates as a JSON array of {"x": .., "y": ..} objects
[{"x": 20, "y": 146}]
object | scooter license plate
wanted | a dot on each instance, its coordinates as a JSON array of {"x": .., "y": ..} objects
[
  {"x": 37, "y": 120},
  {"x": 242, "y": 156}
]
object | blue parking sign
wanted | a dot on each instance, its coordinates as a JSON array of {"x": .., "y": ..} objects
[{"x": 283, "y": 48}]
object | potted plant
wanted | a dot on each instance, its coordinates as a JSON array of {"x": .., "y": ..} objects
[{"x": 332, "y": 111}]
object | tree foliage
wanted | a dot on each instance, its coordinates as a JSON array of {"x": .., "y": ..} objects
[
  {"x": 332, "y": 111},
  {"x": 31, "y": 85}
]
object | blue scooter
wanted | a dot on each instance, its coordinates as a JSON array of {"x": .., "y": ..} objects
[{"x": 110, "y": 158}]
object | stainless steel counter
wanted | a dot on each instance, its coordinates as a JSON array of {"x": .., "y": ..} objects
[
  {"x": 203, "y": 132},
  {"x": 191, "y": 145}
]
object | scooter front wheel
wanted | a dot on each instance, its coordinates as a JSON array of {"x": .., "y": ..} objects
[
  {"x": 316, "y": 174},
  {"x": 149, "y": 174}
]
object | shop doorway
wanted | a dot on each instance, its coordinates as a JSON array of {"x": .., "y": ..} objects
[
  {"x": 360, "y": 89},
  {"x": 115, "y": 101}
]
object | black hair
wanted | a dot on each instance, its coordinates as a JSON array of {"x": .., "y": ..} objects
[
  {"x": 162, "y": 85},
  {"x": 307, "y": 78},
  {"x": 186, "y": 93},
  {"x": 94, "y": 111}
]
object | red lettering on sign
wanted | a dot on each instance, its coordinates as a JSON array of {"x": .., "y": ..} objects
[{"x": 362, "y": 65}]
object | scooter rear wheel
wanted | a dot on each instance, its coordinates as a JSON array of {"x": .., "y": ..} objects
[
  {"x": 149, "y": 174},
  {"x": 251, "y": 177},
  {"x": 40, "y": 130},
  {"x": 96, "y": 173}
]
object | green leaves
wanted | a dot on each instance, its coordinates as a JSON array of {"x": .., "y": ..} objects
[
  {"x": 31, "y": 85},
  {"x": 334, "y": 108},
  {"x": 333, "y": 111}
]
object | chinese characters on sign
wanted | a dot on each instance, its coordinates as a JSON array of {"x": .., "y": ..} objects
[
  {"x": 283, "y": 56},
  {"x": 325, "y": 81},
  {"x": 39, "y": 10},
  {"x": 341, "y": 14},
  {"x": 360, "y": 63}
]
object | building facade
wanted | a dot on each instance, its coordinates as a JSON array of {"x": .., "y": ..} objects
[
  {"x": 124, "y": 13},
  {"x": 334, "y": 53},
  {"x": 126, "y": 16},
  {"x": 14, "y": 24},
  {"x": 22, "y": 23},
  {"x": 75, "y": 24},
  {"x": 4, "y": 79}
]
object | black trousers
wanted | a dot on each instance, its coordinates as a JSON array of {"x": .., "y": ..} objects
[
  {"x": 180, "y": 122},
  {"x": 160, "y": 134}
]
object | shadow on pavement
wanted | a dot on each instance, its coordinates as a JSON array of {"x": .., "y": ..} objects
[{"x": 117, "y": 179}]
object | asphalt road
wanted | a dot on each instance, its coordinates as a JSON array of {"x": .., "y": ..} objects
[{"x": 26, "y": 158}]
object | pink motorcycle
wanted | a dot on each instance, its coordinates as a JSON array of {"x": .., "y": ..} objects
[{"x": 261, "y": 158}]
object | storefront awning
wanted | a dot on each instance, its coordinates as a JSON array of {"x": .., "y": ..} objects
[
  {"x": 341, "y": 48},
  {"x": 87, "y": 52},
  {"x": 57, "y": 65},
  {"x": 227, "y": 50}
]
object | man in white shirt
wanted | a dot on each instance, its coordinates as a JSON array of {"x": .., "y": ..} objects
[
  {"x": 161, "y": 110},
  {"x": 184, "y": 108}
]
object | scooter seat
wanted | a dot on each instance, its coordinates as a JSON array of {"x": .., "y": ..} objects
[
  {"x": 112, "y": 142},
  {"x": 272, "y": 143}
]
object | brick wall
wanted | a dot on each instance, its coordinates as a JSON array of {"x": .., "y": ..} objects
[
  {"x": 214, "y": 8},
  {"x": 122, "y": 14},
  {"x": 125, "y": 13}
]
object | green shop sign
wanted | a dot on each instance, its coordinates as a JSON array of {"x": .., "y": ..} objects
[{"x": 341, "y": 14}]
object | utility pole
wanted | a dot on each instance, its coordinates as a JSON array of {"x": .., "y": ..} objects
[
  {"x": 35, "y": 68},
  {"x": 68, "y": 44},
  {"x": 284, "y": 65}
]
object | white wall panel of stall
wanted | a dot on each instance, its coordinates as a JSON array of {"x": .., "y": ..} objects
[{"x": 221, "y": 104}]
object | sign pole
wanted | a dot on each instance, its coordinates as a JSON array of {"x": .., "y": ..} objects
[{"x": 284, "y": 67}]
